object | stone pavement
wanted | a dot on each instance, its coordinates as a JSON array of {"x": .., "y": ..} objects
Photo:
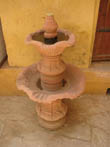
[{"x": 88, "y": 124}]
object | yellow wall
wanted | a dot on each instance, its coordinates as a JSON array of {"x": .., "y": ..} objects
[{"x": 20, "y": 17}]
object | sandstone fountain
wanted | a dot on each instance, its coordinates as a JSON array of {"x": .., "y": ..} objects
[{"x": 50, "y": 81}]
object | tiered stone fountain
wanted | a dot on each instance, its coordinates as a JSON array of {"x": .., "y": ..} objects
[{"x": 50, "y": 80}]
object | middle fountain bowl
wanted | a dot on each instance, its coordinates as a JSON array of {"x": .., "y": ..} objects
[{"x": 51, "y": 80}]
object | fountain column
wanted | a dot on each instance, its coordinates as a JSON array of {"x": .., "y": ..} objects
[
  {"x": 51, "y": 68},
  {"x": 51, "y": 115},
  {"x": 52, "y": 72}
]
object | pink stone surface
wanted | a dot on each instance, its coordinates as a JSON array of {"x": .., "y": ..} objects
[{"x": 50, "y": 27}]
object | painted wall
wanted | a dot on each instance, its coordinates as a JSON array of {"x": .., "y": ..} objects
[{"x": 20, "y": 17}]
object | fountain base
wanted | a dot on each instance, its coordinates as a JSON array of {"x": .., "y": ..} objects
[
  {"x": 52, "y": 115},
  {"x": 51, "y": 125}
]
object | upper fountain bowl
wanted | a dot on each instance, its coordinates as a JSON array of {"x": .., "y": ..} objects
[
  {"x": 50, "y": 30},
  {"x": 65, "y": 39}
]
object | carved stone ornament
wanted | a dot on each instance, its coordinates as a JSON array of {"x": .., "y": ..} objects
[{"x": 50, "y": 80}]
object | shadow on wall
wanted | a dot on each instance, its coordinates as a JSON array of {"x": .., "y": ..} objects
[{"x": 3, "y": 54}]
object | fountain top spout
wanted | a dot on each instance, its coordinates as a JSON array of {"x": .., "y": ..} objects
[{"x": 50, "y": 26}]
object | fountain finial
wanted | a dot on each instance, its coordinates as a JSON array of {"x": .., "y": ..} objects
[{"x": 50, "y": 26}]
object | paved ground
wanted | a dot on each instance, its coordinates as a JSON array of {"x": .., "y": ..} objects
[{"x": 88, "y": 124}]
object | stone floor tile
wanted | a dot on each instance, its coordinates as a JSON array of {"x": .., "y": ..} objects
[
  {"x": 1, "y": 127},
  {"x": 16, "y": 108},
  {"x": 90, "y": 104},
  {"x": 99, "y": 138},
  {"x": 66, "y": 142},
  {"x": 77, "y": 130},
  {"x": 11, "y": 142},
  {"x": 101, "y": 121},
  {"x": 19, "y": 125}
]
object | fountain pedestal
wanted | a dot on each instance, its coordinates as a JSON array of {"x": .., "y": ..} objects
[
  {"x": 52, "y": 72},
  {"x": 51, "y": 115},
  {"x": 51, "y": 80}
]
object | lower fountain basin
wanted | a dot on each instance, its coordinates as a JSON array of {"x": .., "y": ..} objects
[{"x": 73, "y": 84}]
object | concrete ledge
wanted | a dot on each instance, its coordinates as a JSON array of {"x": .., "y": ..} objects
[
  {"x": 8, "y": 77},
  {"x": 97, "y": 79}
]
